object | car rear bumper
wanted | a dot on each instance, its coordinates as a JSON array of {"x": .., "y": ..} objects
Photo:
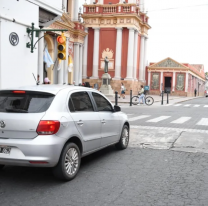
[{"x": 42, "y": 151}]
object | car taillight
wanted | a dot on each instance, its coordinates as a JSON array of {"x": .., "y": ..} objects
[
  {"x": 19, "y": 92},
  {"x": 48, "y": 127}
]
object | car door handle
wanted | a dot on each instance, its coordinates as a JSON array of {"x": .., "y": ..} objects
[
  {"x": 103, "y": 121},
  {"x": 80, "y": 122}
]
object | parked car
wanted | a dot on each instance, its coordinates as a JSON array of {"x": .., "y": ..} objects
[{"x": 54, "y": 126}]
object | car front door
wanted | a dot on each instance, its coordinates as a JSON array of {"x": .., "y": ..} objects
[
  {"x": 109, "y": 120},
  {"x": 86, "y": 119}
]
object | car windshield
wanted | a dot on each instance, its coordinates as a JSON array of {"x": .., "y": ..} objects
[{"x": 25, "y": 103}]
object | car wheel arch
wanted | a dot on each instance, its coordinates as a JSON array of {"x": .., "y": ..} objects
[{"x": 75, "y": 140}]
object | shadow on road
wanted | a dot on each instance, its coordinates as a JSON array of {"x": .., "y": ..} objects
[{"x": 24, "y": 176}]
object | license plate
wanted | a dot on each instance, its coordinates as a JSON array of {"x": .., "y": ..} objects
[{"x": 5, "y": 150}]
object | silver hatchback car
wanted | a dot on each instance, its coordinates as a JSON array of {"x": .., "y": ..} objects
[{"x": 56, "y": 125}]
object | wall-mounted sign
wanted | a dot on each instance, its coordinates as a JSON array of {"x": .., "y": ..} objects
[{"x": 14, "y": 39}]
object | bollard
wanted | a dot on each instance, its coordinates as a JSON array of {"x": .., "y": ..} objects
[
  {"x": 130, "y": 97},
  {"x": 116, "y": 98},
  {"x": 162, "y": 98},
  {"x": 167, "y": 99}
]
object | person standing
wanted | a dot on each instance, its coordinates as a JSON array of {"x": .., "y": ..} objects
[
  {"x": 123, "y": 89},
  {"x": 195, "y": 91},
  {"x": 141, "y": 93}
]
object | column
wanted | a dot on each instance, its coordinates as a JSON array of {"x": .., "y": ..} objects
[
  {"x": 84, "y": 73},
  {"x": 145, "y": 57},
  {"x": 149, "y": 79},
  {"x": 130, "y": 58},
  {"x": 118, "y": 54},
  {"x": 135, "y": 53},
  {"x": 61, "y": 72},
  {"x": 174, "y": 74},
  {"x": 76, "y": 10},
  {"x": 80, "y": 63},
  {"x": 76, "y": 63},
  {"x": 40, "y": 57},
  {"x": 161, "y": 81},
  {"x": 141, "y": 65},
  {"x": 66, "y": 62},
  {"x": 186, "y": 88},
  {"x": 96, "y": 53}
]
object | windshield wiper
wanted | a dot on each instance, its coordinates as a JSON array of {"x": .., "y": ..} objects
[{"x": 16, "y": 110}]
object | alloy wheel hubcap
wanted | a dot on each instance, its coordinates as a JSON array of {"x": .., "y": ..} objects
[
  {"x": 125, "y": 137},
  {"x": 71, "y": 161}
]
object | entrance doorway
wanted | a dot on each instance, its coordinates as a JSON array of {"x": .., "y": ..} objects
[{"x": 168, "y": 81}]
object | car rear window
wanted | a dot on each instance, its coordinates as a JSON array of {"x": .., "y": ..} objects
[{"x": 28, "y": 102}]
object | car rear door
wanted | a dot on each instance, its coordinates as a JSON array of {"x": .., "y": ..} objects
[
  {"x": 110, "y": 120},
  {"x": 86, "y": 120}
]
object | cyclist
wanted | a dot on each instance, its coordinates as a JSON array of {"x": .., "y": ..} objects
[{"x": 141, "y": 93}]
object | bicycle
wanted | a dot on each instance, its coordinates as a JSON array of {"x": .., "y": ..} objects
[{"x": 148, "y": 100}]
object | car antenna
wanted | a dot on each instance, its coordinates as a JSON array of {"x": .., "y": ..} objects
[{"x": 37, "y": 82}]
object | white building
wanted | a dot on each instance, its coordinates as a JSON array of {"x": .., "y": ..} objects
[{"x": 17, "y": 63}]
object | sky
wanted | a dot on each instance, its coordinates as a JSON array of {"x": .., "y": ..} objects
[{"x": 179, "y": 30}]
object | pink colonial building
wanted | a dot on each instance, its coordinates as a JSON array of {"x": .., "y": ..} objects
[
  {"x": 117, "y": 29},
  {"x": 180, "y": 79}
]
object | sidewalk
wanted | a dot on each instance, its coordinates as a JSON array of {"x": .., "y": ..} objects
[{"x": 157, "y": 98}]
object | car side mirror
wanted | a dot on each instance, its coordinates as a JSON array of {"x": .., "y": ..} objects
[{"x": 117, "y": 108}]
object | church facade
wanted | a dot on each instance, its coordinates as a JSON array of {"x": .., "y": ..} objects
[
  {"x": 117, "y": 30},
  {"x": 180, "y": 79}
]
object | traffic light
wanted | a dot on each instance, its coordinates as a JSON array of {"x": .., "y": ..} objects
[{"x": 61, "y": 47}]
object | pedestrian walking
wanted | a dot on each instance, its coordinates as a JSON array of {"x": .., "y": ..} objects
[
  {"x": 141, "y": 93},
  {"x": 195, "y": 91},
  {"x": 123, "y": 89}
]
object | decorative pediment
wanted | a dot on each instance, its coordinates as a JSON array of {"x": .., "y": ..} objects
[
  {"x": 66, "y": 19},
  {"x": 168, "y": 63}
]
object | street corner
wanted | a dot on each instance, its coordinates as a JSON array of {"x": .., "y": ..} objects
[
  {"x": 191, "y": 142},
  {"x": 153, "y": 138}
]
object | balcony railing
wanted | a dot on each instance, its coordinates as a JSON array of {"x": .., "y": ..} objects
[{"x": 107, "y": 9}]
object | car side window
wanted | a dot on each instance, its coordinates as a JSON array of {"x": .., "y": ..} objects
[
  {"x": 80, "y": 102},
  {"x": 102, "y": 103}
]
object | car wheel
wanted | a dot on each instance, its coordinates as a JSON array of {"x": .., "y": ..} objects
[
  {"x": 124, "y": 139},
  {"x": 69, "y": 163},
  {"x": 1, "y": 167}
]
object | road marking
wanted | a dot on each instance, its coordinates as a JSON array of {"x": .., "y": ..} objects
[
  {"x": 169, "y": 128},
  {"x": 177, "y": 105},
  {"x": 203, "y": 122},
  {"x": 187, "y": 105},
  {"x": 138, "y": 117},
  {"x": 167, "y": 105},
  {"x": 158, "y": 119},
  {"x": 197, "y": 105},
  {"x": 205, "y": 105},
  {"x": 181, "y": 120}
]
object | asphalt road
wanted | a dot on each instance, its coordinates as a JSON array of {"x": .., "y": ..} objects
[
  {"x": 193, "y": 114},
  {"x": 135, "y": 176},
  {"x": 141, "y": 177}
]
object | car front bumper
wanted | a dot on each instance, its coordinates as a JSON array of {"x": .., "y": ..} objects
[{"x": 42, "y": 151}]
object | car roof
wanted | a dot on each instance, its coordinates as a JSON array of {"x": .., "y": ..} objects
[{"x": 53, "y": 89}]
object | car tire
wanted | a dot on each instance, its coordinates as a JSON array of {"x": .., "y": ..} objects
[
  {"x": 124, "y": 139},
  {"x": 69, "y": 163},
  {"x": 1, "y": 167}
]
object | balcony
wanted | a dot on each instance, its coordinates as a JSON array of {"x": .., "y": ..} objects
[{"x": 112, "y": 9}]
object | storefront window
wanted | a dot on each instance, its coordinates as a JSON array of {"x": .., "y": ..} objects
[
  {"x": 180, "y": 82},
  {"x": 155, "y": 81}
]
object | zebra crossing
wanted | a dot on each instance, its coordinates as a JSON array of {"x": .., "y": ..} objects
[{"x": 159, "y": 119}]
